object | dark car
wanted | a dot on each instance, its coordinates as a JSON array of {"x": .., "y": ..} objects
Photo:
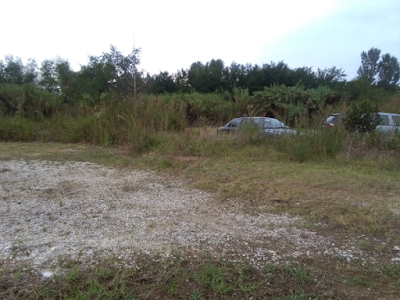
[{"x": 266, "y": 125}]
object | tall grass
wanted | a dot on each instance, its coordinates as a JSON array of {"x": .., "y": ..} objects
[
  {"x": 116, "y": 123},
  {"x": 162, "y": 123},
  {"x": 18, "y": 129}
]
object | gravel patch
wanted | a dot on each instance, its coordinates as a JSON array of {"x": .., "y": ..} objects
[{"x": 84, "y": 211}]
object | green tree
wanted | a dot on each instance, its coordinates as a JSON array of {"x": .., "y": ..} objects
[
  {"x": 389, "y": 72},
  {"x": 276, "y": 73},
  {"x": 48, "y": 76},
  {"x": 181, "y": 80},
  {"x": 369, "y": 65},
  {"x": 94, "y": 78},
  {"x": 304, "y": 76},
  {"x": 208, "y": 78},
  {"x": 13, "y": 70},
  {"x": 161, "y": 83},
  {"x": 332, "y": 77},
  {"x": 30, "y": 71},
  {"x": 2, "y": 73},
  {"x": 236, "y": 77},
  {"x": 66, "y": 80},
  {"x": 197, "y": 77},
  {"x": 255, "y": 78},
  {"x": 125, "y": 68},
  {"x": 217, "y": 75}
]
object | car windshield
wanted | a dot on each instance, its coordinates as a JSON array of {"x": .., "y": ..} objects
[{"x": 233, "y": 123}]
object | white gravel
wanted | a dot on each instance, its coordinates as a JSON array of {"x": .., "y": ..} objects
[{"x": 83, "y": 211}]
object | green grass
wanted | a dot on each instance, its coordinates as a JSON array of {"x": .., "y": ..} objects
[{"x": 205, "y": 278}]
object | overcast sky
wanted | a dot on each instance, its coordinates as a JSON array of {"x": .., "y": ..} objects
[{"x": 175, "y": 33}]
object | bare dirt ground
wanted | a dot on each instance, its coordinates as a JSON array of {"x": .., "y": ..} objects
[{"x": 82, "y": 211}]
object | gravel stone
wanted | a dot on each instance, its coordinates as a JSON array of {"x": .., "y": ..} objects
[{"x": 83, "y": 211}]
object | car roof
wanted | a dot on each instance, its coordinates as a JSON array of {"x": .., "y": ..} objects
[
  {"x": 257, "y": 118},
  {"x": 388, "y": 114}
]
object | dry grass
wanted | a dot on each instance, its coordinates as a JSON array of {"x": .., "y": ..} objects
[{"x": 352, "y": 197}]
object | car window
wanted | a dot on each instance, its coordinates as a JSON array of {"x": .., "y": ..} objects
[
  {"x": 396, "y": 120},
  {"x": 246, "y": 120},
  {"x": 257, "y": 120},
  {"x": 273, "y": 123},
  {"x": 330, "y": 119},
  {"x": 234, "y": 123},
  {"x": 384, "y": 120},
  {"x": 334, "y": 118}
]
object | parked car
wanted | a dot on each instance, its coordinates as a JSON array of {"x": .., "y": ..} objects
[
  {"x": 266, "y": 125},
  {"x": 389, "y": 122},
  {"x": 333, "y": 120}
]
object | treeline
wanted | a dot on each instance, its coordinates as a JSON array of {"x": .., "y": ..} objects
[{"x": 274, "y": 89}]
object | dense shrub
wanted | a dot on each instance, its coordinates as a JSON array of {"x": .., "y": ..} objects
[
  {"x": 290, "y": 103},
  {"x": 28, "y": 101},
  {"x": 362, "y": 117}
]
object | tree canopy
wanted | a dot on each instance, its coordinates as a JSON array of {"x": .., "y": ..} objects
[
  {"x": 116, "y": 73},
  {"x": 379, "y": 70}
]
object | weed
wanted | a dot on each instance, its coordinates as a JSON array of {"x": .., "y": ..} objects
[
  {"x": 357, "y": 281},
  {"x": 297, "y": 273},
  {"x": 214, "y": 277},
  {"x": 298, "y": 296},
  {"x": 392, "y": 270},
  {"x": 197, "y": 295},
  {"x": 74, "y": 275}
]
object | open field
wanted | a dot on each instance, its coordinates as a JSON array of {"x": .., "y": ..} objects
[{"x": 239, "y": 224}]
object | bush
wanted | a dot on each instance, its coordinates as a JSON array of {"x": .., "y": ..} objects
[
  {"x": 17, "y": 129},
  {"x": 362, "y": 117},
  {"x": 28, "y": 101},
  {"x": 292, "y": 102}
]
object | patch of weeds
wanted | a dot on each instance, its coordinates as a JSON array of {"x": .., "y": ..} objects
[
  {"x": 364, "y": 244},
  {"x": 105, "y": 273},
  {"x": 298, "y": 296},
  {"x": 18, "y": 274},
  {"x": 127, "y": 188},
  {"x": 50, "y": 217},
  {"x": 214, "y": 277},
  {"x": 172, "y": 285},
  {"x": 245, "y": 281},
  {"x": 245, "y": 286},
  {"x": 357, "y": 281},
  {"x": 74, "y": 275},
  {"x": 297, "y": 273},
  {"x": 197, "y": 295},
  {"x": 165, "y": 163},
  {"x": 271, "y": 272},
  {"x": 270, "y": 268},
  {"x": 393, "y": 272}
]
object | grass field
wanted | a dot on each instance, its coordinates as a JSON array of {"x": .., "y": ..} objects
[{"x": 352, "y": 198}]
